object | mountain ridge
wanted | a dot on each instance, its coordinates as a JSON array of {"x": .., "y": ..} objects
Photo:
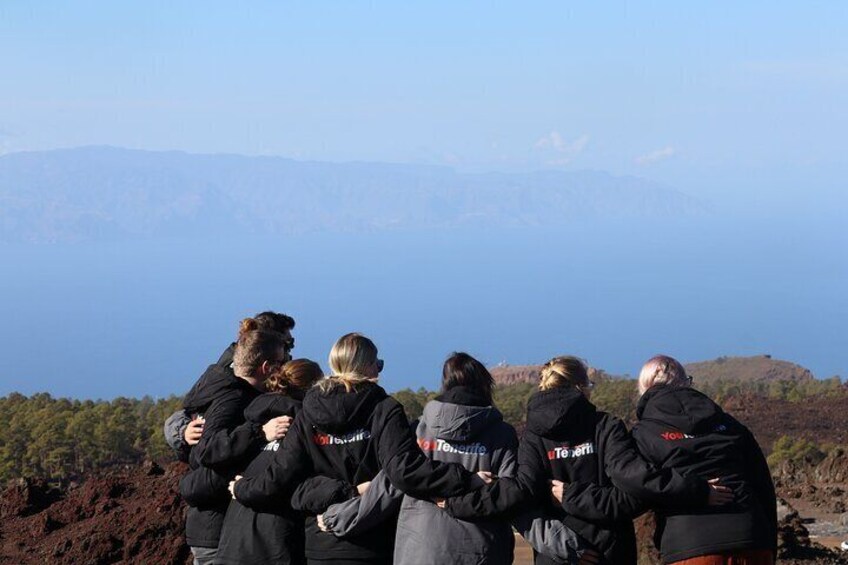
[{"x": 96, "y": 192}]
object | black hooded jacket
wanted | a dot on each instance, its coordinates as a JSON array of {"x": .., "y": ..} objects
[
  {"x": 223, "y": 450},
  {"x": 274, "y": 536},
  {"x": 682, "y": 429},
  {"x": 351, "y": 436},
  {"x": 568, "y": 439}
]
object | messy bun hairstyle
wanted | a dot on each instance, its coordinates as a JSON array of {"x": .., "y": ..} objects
[
  {"x": 563, "y": 371},
  {"x": 270, "y": 321},
  {"x": 294, "y": 378}
]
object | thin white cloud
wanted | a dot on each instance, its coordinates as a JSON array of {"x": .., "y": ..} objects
[
  {"x": 656, "y": 156},
  {"x": 564, "y": 151}
]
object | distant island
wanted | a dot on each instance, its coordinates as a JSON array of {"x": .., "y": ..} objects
[{"x": 95, "y": 193}]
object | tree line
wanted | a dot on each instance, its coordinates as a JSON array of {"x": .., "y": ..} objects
[{"x": 60, "y": 438}]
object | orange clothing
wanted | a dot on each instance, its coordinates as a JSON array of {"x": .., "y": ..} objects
[{"x": 755, "y": 557}]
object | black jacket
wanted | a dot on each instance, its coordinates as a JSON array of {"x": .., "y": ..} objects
[
  {"x": 351, "y": 436},
  {"x": 223, "y": 450},
  {"x": 682, "y": 429},
  {"x": 568, "y": 439},
  {"x": 275, "y": 536}
]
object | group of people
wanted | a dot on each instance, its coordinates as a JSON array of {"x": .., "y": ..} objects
[{"x": 288, "y": 465}]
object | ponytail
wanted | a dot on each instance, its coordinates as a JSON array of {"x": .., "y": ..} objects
[{"x": 352, "y": 355}]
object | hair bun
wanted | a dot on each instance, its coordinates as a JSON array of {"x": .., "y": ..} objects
[{"x": 248, "y": 325}]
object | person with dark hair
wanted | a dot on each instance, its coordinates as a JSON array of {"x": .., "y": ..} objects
[
  {"x": 579, "y": 465},
  {"x": 462, "y": 426},
  {"x": 222, "y": 395},
  {"x": 349, "y": 429},
  {"x": 274, "y": 535},
  {"x": 680, "y": 428}
]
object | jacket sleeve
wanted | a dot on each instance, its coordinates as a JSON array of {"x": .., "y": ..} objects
[
  {"x": 226, "y": 436},
  {"x": 630, "y": 472},
  {"x": 758, "y": 472},
  {"x": 506, "y": 495},
  {"x": 290, "y": 465},
  {"x": 314, "y": 495},
  {"x": 174, "y": 430},
  {"x": 548, "y": 536},
  {"x": 604, "y": 505},
  {"x": 379, "y": 503},
  {"x": 203, "y": 487},
  {"x": 505, "y": 457},
  {"x": 222, "y": 447},
  {"x": 409, "y": 469}
]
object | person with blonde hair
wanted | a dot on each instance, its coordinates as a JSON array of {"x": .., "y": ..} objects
[
  {"x": 683, "y": 430},
  {"x": 579, "y": 466},
  {"x": 349, "y": 429}
]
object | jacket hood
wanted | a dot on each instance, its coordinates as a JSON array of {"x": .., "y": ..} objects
[
  {"x": 216, "y": 380},
  {"x": 270, "y": 405},
  {"x": 686, "y": 409},
  {"x": 460, "y": 415},
  {"x": 338, "y": 411},
  {"x": 560, "y": 411}
]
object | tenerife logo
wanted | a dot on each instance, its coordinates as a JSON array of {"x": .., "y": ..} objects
[
  {"x": 568, "y": 452},
  {"x": 675, "y": 436},
  {"x": 446, "y": 447},
  {"x": 351, "y": 437}
]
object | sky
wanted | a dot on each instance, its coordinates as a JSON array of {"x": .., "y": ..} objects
[
  {"x": 729, "y": 101},
  {"x": 742, "y": 105}
]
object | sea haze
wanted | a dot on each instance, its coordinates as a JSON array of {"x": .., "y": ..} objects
[{"x": 139, "y": 305}]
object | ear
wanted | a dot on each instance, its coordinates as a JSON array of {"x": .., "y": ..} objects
[{"x": 265, "y": 368}]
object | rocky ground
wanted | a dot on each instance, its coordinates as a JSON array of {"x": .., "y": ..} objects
[
  {"x": 134, "y": 515},
  {"x": 123, "y": 516}
]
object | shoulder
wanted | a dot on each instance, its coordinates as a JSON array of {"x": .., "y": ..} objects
[
  {"x": 503, "y": 435},
  {"x": 388, "y": 407},
  {"x": 608, "y": 424}
]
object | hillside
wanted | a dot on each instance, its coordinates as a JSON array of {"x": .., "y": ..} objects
[
  {"x": 135, "y": 515},
  {"x": 506, "y": 375},
  {"x": 756, "y": 368},
  {"x": 114, "y": 505},
  {"x": 92, "y": 193}
]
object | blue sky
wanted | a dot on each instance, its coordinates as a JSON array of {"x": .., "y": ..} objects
[{"x": 743, "y": 100}]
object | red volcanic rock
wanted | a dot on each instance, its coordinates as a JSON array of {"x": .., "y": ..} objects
[{"x": 133, "y": 515}]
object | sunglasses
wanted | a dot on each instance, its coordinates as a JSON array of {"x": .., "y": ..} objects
[{"x": 380, "y": 364}]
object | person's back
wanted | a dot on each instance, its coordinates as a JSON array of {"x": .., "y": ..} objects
[
  {"x": 569, "y": 440},
  {"x": 276, "y": 534},
  {"x": 342, "y": 428},
  {"x": 222, "y": 394},
  {"x": 460, "y": 426},
  {"x": 682, "y": 429},
  {"x": 350, "y": 429}
]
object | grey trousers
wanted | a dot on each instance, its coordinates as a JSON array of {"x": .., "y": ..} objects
[{"x": 204, "y": 555}]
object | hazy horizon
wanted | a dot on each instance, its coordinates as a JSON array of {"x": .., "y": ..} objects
[{"x": 518, "y": 181}]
